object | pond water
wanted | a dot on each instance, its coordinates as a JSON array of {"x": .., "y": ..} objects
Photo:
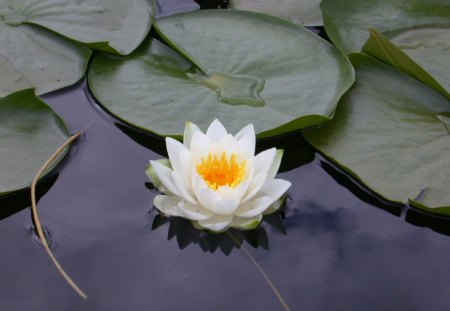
[{"x": 334, "y": 247}]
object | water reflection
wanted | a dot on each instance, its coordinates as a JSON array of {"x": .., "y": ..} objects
[
  {"x": 185, "y": 233},
  {"x": 167, "y": 7},
  {"x": 150, "y": 141},
  {"x": 436, "y": 223},
  {"x": 17, "y": 201},
  {"x": 359, "y": 190}
]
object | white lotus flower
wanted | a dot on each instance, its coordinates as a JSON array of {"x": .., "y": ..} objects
[{"x": 215, "y": 179}]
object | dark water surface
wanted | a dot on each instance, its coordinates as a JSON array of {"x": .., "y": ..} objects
[{"x": 343, "y": 249}]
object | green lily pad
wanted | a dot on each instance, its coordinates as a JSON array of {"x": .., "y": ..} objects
[
  {"x": 306, "y": 12},
  {"x": 115, "y": 26},
  {"x": 347, "y": 21},
  {"x": 240, "y": 67},
  {"x": 429, "y": 49},
  {"x": 393, "y": 133},
  {"x": 30, "y": 132},
  {"x": 31, "y": 56}
]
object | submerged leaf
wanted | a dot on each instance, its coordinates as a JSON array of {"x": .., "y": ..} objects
[
  {"x": 30, "y": 132},
  {"x": 391, "y": 132},
  {"x": 241, "y": 67}
]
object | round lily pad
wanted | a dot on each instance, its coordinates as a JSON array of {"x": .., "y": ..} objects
[
  {"x": 240, "y": 67},
  {"x": 30, "y": 132},
  {"x": 31, "y": 56},
  {"x": 422, "y": 53},
  {"x": 429, "y": 47},
  {"x": 347, "y": 21},
  {"x": 306, "y": 12},
  {"x": 393, "y": 133},
  {"x": 114, "y": 26}
]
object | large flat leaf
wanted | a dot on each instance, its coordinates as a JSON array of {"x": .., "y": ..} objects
[
  {"x": 115, "y": 26},
  {"x": 347, "y": 21},
  {"x": 428, "y": 46},
  {"x": 240, "y": 67},
  {"x": 393, "y": 133},
  {"x": 29, "y": 133},
  {"x": 301, "y": 12},
  {"x": 427, "y": 49},
  {"x": 31, "y": 56}
]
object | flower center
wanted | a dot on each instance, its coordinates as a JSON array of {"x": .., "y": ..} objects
[{"x": 219, "y": 170}]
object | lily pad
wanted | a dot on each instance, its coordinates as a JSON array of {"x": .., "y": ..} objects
[
  {"x": 347, "y": 21},
  {"x": 305, "y": 12},
  {"x": 393, "y": 133},
  {"x": 31, "y": 56},
  {"x": 114, "y": 26},
  {"x": 429, "y": 47},
  {"x": 419, "y": 48},
  {"x": 240, "y": 67},
  {"x": 30, "y": 132}
]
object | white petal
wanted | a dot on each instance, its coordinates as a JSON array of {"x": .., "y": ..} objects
[
  {"x": 167, "y": 204},
  {"x": 228, "y": 144},
  {"x": 264, "y": 160},
  {"x": 189, "y": 130},
  {"x": 186, "y": 166},
  {"x": 182, "y": 188},
  {"x": 200, "y": 146},
  {"x": 216, "y": 131},
  {"x": 247, "y": 144},
  {"x": 246, "y": 223},
  {"x": 150, "y": 171},
  {"x": 225, "y": 206},
  {"x": 216, "y": 223},
  {"x": 205, "y": 195},
  {"x": 233, "y": 193},
  {"x": 275, "y": 164},
  {"x": 173, "y": 150},
  {"x": 165, "y": 176},
  {"x": 255, "y": 186},
  {"x": 247, "y": 130},
  {"x": 275, "y": 206},
  {"x": 194, "y": 212},
  {"x": 254, "y": 207},
  {"x": 275, "y": 188}
]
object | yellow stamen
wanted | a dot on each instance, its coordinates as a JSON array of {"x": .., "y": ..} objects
[{"x": 218, "y": 171}]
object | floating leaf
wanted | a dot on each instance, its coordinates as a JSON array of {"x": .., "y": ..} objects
[
  {"x": 306, "y": 12},
  {"x": 115, "y": 26},
  {"x": 431, "y": 52},
  {"x": 347, "y": 21},
  {"x": 428, "y": 46},
  {"x": 391, "y": 132},
  {"x": 30, "y": 132},
  {"x": 31, "y": 56},
  {"x": 241, "y": 67}
]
